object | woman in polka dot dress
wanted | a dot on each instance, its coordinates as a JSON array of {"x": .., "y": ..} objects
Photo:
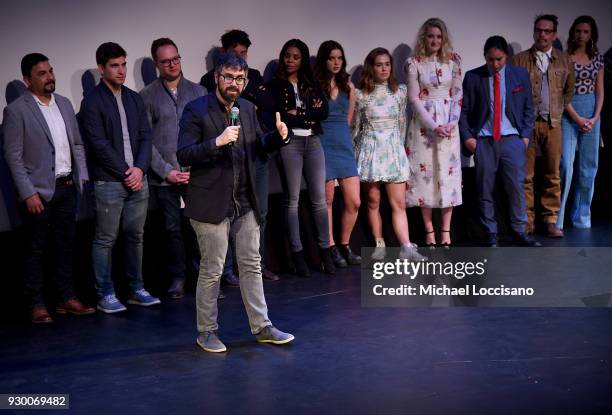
[{"x": 580, "y": 122}]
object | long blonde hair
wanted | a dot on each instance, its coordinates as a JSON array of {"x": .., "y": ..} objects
[{"x": 446, "y": 51}]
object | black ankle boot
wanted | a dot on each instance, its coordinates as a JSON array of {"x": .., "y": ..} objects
[
  {"x": 339, "y": 262},
  {"x": 351, "y": 257},
  {"x": 301, "y": 269},
  {"x": 326, "y": 261}
]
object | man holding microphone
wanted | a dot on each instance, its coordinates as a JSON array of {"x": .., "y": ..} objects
[{"x": 221, "y": 198}]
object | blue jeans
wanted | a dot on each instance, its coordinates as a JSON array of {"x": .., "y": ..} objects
[
  {"x": 304, "y": 155},
  {"x": 213, "y": 239},
  {"x": 587, "y": 145},
  {"x": 118, "y": 208}
]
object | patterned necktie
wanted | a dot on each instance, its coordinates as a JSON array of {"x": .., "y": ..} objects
[{"x": 496, "y": 107}]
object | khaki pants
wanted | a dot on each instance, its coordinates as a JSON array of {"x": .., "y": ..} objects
[
  {"x": 213, "y": 240},
  {"x": 549, "y": 141}
]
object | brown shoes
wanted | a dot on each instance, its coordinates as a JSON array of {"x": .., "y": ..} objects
[
  {"x": 40, "y": 315},
  {"x": 75, "y": 307},
  {"x": 553, "y": 231}
]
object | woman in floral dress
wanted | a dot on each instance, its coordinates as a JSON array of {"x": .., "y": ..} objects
[
  {"x": 379, "y": 131},
  {"x": 434, "y": 90}
]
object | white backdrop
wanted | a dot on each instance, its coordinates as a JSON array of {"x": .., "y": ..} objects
[{"x": 69, "y": 31}]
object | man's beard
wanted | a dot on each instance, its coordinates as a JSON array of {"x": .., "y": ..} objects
[
  {"x": 229, "y": 97},
  {"x": 49, "y": 87}
]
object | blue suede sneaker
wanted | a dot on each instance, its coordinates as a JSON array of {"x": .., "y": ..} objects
[
  {"x": 143, "y": 298},
  {"x": 109, "y": 304}
]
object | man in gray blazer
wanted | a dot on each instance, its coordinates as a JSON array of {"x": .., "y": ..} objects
[
  {"x": 165, "y": 98},
  {"x": 44, "y": 151}
]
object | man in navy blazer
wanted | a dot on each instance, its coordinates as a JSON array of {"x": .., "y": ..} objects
[
  {"x": 118, "y": 138},
  {"x": 221, "y": 146},
  {"x": 44, "y": 151},
  {"x": 496, "y": 124}
]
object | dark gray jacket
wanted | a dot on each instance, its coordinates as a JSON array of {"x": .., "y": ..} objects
[{"x": 164, "y": 114}]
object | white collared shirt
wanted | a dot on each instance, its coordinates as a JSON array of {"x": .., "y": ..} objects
[
  {"x": 59, "y": 135},
  {"x": 543, "y": 59}
]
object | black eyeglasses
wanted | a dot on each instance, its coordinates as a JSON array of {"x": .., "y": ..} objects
[
  {"x": 172, "y": 61},
  {"x": 545, "y": 31},
  {"x": 228, "y": 79}
]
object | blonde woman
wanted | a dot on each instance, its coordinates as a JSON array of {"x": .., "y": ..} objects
[{"x": 434, "y": 90}]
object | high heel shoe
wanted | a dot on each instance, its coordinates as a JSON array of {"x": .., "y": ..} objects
[
  {"x": 327, "y": 264},
  {"x": 301, "y": 269},
  {"x": 445, "y": 245},
  {"x": 430, "y": 245},
  {"x": 337, "y": 258}
]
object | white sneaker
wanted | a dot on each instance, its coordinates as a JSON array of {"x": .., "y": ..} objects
[
  {"x": 379, "y": 253},
  {"x": 411, "y": 254}
]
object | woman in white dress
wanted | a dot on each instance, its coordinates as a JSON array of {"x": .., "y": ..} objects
[
  {"x": 434, "y": 90},
  {"x": 379, "y": 131}
]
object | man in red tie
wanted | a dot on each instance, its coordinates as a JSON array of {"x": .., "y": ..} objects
[{"x": 496, "y": 124}]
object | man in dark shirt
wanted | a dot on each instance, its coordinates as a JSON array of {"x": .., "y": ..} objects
[
  {"x": 238, "y": 42},
  {"x": 221, "y": 199},
  {"x": 118, "y": 139}
]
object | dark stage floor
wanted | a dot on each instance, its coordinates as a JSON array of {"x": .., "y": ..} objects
[{"x": 345, "y": 359}]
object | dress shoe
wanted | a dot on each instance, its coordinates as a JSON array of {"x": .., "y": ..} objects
[
  {"x": 301, "y": 269},
  {"x": 231, "y": 279},
  {"x": 351, "y": 257},
  {"x": 553, "y": 231},
  {"x": 522, "y": 239},
  {"x": 339, "y": 261},
  {"x": 491, "y": 240},
  {"x": 75, "y": 307},
  {"x": 445, "y": 244},
  {"x": 177, "y": 288},
  {"x": 39, "y": 315},
  {"x": 266, "y": 274},
  {"x": 326, "y": 261},
  {"x": 430, "y": 239}
]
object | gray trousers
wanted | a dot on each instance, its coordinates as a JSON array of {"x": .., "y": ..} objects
[{"x": 213, "y": 240}]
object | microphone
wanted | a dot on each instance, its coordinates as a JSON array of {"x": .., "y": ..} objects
[{"x": 234, "y": 119}]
